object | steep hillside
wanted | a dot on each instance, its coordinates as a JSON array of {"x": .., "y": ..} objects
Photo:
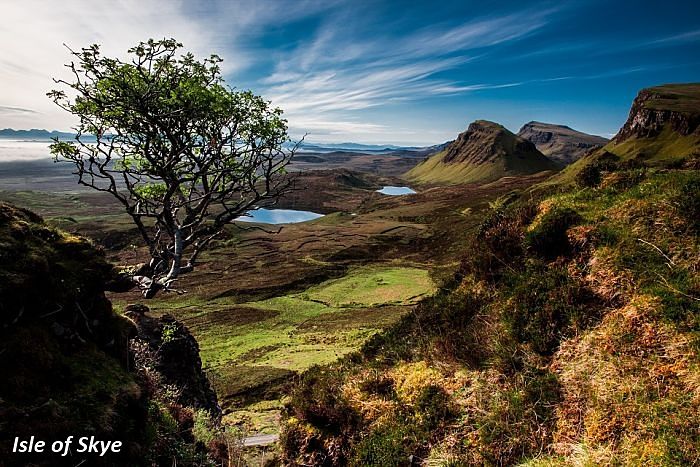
[
  {"x": 570, "y": 336},
  {"x": 485, "y": 152},
  {"x": 663, "y": 128},
  {"x": 560, "y": 143},
  {"x": 663, "y": 124},
  {"x": 70, "y": 366}
]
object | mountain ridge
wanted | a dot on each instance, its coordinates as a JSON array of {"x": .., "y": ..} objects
[
  {"x": 34, "y": 133},
  {"x": 560, "y": 143}
]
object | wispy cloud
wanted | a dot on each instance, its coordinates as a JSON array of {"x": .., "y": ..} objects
[
  {"x": 338, "y": 71},
  {"x": 32, "y": 33},
  {"x": 685, "y": 37},
  {"x": 5, "y": 109}
]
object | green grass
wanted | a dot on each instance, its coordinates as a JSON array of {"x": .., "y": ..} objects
[
  {"x": 434, "y": 170},
  {"x": 666, "y": 146},
  {"x": 676, "y": 97},
  {"x": 374, "y": 286},
  {"x": 296, "y": 344},
  {"x": 244, "y": 345}
]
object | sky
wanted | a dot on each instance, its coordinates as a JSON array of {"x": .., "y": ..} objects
[{"x": 384, "y": 72}]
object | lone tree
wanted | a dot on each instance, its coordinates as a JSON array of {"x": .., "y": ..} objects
[{"x": 181, "y": 151}]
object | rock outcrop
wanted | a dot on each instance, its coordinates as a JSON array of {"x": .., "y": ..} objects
[
  {"x": 63, "y": 351},
  {"x": 166, "y": 347},
  {"x": 674, "y": 105},
  {"x": 65, "y": 365},
  {"x": 485, "y": 152},
  {"x": 560, "y": 143}
]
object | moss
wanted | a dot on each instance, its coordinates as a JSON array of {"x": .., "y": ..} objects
[
  {"x": 548, "y": 236},
  {"x": 387, "y": 446}
]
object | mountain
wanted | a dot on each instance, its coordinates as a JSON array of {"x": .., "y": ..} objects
[
  {"x": 34, "y": 134},
  {"x": 560, "y": 143},
  {"x": 354, "y": 146},
  {"x": 485, "y": 152},
  {"x": 664, "y": 122},
  {"x": 567, "y": 336},
  {"x": 663, "y": 128}
]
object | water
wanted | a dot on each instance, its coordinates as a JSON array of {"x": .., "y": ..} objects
[
  {"x": 396, "y": 190},
  {"x": 22, "y": 150},
  {"x": 278, "y": 216}
]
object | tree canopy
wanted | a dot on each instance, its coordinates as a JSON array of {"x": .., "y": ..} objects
[{"x": 182, "y": 152}]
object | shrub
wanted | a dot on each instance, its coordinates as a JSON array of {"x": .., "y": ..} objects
[
  {"x": 589, "y": 176},
  {"x": 687, "y": 201},
  {"x": 547, "y": 304},
  {"x": 548, "y": 238},
  {"x": 317, "y": 400},
  {"x": 385, "y": 447},
  {"x": 498, "y": 242},
  {"x": 433, "y": 407}
]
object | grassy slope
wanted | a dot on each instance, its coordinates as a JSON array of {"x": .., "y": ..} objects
[
  {"x": 251, "y": 345},
  {"x": 665, "y": 148},
  {"x": 676, "y": 97},
  {"x": 435, "y": 171},
  {"x": 589, "y": 356}
]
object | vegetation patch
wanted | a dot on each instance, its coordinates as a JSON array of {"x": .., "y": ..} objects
[{"x": 569, "y": 336}]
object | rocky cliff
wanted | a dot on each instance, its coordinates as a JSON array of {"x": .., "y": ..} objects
[
  {"x": 67, "y": 360},
  {"x": 164, "y": 347},
  {"x": 676, "y": 106},
  {"x": 485, "y": 152},
  {"x": 560, "y": 143}
]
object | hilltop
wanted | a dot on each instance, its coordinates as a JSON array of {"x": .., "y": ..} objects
[
  {"x": 483, "y": 153},
  {"x": 560, "y": 143},
  {"x": 663, "y": 127}
]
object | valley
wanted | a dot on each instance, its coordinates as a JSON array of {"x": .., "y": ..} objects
[
  {"x": 269, "y": 301},
  {"x": 472, "y": 303}
]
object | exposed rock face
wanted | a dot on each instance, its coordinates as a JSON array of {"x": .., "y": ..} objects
[
  {"x": 486, "y": 141},
  {"x": 560, "y": 143},
  {"x": 166, "y": 346},
  {"x": 64, "y": 360},
  {"x": 62, "y": 349},
  {"x": 676, "y": 105}
]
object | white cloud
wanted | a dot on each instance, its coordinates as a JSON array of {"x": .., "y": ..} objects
[
  {"x": 323, "y": 83},
  {"x": 339, "y": 71},
  {"x": 33, "y": 33}
]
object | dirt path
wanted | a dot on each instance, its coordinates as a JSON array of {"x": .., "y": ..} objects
[{"x": 260, "y": 440}]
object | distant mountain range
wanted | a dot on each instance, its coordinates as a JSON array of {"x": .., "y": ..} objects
[
  {"x": 34, "y": 134},
  {"x": 355, "y": 147},
  {"x": 41, "y": 134}
]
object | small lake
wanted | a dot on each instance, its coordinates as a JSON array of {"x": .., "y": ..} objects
[
  {"x": 396, "y": 190},
  {"x": 278, "y": 216}
]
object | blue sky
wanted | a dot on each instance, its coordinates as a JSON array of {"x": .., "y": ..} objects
[{"x": 401, "y": 72}]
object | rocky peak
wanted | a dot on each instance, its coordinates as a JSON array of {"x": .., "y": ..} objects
[
  {"x": 673, "y": 105},
  {"x": 486, "y": 141},
  {"x": 560, "y": 143}
]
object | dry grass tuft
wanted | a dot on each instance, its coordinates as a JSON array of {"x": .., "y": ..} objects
[{"x": 630, "y": 383}]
